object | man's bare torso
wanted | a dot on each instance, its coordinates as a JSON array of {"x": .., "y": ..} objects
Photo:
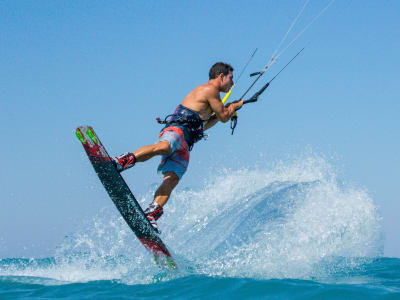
[{"x": 197, "y": 100}]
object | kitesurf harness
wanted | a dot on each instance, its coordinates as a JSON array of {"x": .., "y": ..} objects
[{"x": 189, "y": 121}]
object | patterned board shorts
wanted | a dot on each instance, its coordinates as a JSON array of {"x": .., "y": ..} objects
[{"x": 178, "y": 160}]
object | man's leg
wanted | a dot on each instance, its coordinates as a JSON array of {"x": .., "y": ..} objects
[
  {"x": 155, "y": 210},
  {"x": 163, "y": 193},
  {"x": 146, "y": 152}
]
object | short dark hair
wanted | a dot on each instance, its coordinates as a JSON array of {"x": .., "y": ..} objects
[{"x": 219, "y": 68}]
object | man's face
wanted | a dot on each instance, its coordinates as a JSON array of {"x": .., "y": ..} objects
[{"x": 227, "y": 82}]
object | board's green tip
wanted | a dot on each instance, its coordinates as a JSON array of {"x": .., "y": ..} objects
[
  {"x": 165, "y": 262},
  {"x": 90, "y": 133},
  {"x": 170, "y": 263},
  {"x": 79, "y": 135}
]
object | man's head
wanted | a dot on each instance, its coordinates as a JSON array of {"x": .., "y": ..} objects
[{"x": 223, "y": 72}]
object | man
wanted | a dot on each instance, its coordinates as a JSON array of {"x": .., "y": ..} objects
[{"x": 200, "y": 110}]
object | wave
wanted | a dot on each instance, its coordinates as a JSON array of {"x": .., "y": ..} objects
[
  {"x": 292, "y": 221},
  {"x": 377, "y": 279}
]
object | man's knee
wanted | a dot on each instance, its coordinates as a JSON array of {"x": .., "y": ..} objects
[{"x": 171, "y": 179}]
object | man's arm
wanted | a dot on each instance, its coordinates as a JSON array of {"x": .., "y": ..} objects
[
  {"x": 214, "y": 120},
  {"x": 211, "y": 122},
  {"x": 222, "y": 113}
]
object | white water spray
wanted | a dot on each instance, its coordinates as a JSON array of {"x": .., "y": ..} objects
[{"x": 291, "y": 221}]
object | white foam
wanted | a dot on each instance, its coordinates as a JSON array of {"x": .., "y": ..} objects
[
  {"x": 306, "y": 219},
  {"x": 290, "y": 221}
]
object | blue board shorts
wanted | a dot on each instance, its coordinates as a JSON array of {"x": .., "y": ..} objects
[{"x": 178, "y": 160}]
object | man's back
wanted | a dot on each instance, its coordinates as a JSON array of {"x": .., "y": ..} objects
[{"x": 198, "y": 99}]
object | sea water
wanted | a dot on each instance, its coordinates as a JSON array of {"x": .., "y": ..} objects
[{"x": 292, "y": 231}]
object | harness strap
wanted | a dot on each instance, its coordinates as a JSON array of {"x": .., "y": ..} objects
[{"x": 188, "y": 119}]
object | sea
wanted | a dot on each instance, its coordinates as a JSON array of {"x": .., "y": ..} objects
[{"x": 292, "y": 231}]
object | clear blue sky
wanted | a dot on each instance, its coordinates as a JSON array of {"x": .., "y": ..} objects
[{"x": 117, "y": 65}]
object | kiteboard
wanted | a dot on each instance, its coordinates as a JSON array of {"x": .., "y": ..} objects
[{"x": 122, "y": 197}]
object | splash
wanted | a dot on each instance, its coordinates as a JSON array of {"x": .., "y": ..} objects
[
  {"x": 293, "y": 221},
  {"x": 289, "y": 221}
]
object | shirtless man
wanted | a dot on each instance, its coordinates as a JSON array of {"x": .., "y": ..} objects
[{"x": 200, "y": 110}]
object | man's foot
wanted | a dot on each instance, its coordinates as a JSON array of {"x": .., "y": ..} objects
[
  {"x": 125, "y": 161},
  {"x": 153, "y": 213}
]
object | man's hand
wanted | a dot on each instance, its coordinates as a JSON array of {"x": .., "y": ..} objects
[
  {"x": 234, "y": 106},
  {"x": 239, "y": 104}
]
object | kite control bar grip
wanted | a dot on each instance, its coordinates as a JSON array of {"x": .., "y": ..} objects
[
  {"x": 255, "y": 73},
  {"x": 251, "y": 100},
  {"x": 254, "y": 98}
]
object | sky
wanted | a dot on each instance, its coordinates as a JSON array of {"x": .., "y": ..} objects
[{"x": 117, "y": 65}]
